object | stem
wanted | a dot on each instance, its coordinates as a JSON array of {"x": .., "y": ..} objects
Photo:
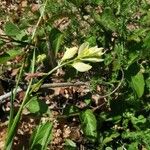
[
  {"x": 38, "y": 84},
  {"x": 39, "y": 20}
]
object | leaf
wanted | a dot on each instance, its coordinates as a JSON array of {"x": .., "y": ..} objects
[
  {"x": 41, "y": 136},
  {"x": 108, "y": 148},
  {"x": 9, "y": 55},
  {"x": 110, "y": 138},
  {"x": 89, "y": 124},
  {"x": 138, "y": 84},
  {"x": 11, "y": 29},
  {"x": 107, "y": 19},
  {"x": 36, "y": 105},
  {"x": 56, "y": 38},
  {"x": 70, "y": 52},
  {"x": 76, "y": 2},
  {"x": 70, "y": 145},
  {"x": 82, "y": 67}
]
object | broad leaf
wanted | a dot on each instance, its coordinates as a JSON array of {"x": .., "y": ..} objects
[
  {"x": 11, "y": 29},
  {"x": 89, "y": 124},
  {"x": 36, "y": 105},
  {"x": 41, "y": 136},
  {"x": 82, "y": 67}
]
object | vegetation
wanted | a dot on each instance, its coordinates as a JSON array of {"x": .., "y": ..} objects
[{"x": 100, "y": 46}]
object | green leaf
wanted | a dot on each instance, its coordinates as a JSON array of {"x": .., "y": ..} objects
[
  {"x": 9, "y": 55},
  {"x": 36, "y": 105},
  {"x": 56, "y": 38},
  {"x": 82, "y": 67},
  {"x": 138, "y": 84},
  {"x": 110, "y": 138},
  {"x": 107, "y": 19},
  {"x": 41, "y": 136},
  {"x": 76, "y": 2},
  {"x": 108, "y": 148},
  {"x": 133, "y": 146},
  {"x": 89, "y": 124},
  {"x": 11, "y": 29},
  {"x": 70, "y": 145}
]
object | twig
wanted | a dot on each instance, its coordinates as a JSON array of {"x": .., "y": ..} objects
[
  {"x": 3, "y": 97},
  {"x": 50, "y": 85},
  {"x": 65, "y": 84},
  {"x": 120, "y": 83},
  {"x": 54, "y": 85}
]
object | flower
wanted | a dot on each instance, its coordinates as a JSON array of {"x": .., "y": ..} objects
[
  {"x": 79, "y": 56},
  {"x": 92, "y": 54}
]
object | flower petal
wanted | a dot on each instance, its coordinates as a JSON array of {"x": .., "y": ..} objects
[
  {"x": 94, "y": 59},
  {"x": 83, "y": 47},
  {"x": 82, "y": 67},
  {"x": 70, "y": 52}
]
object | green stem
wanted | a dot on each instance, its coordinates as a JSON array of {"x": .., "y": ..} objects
[
  {"x": 38, "y": 84},
  {"x": 13, "y": 127}
]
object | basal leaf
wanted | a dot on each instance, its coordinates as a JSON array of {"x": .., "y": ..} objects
[
  {"x": 82, "y": 67},
  {"x": 89, "y": 124}
]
